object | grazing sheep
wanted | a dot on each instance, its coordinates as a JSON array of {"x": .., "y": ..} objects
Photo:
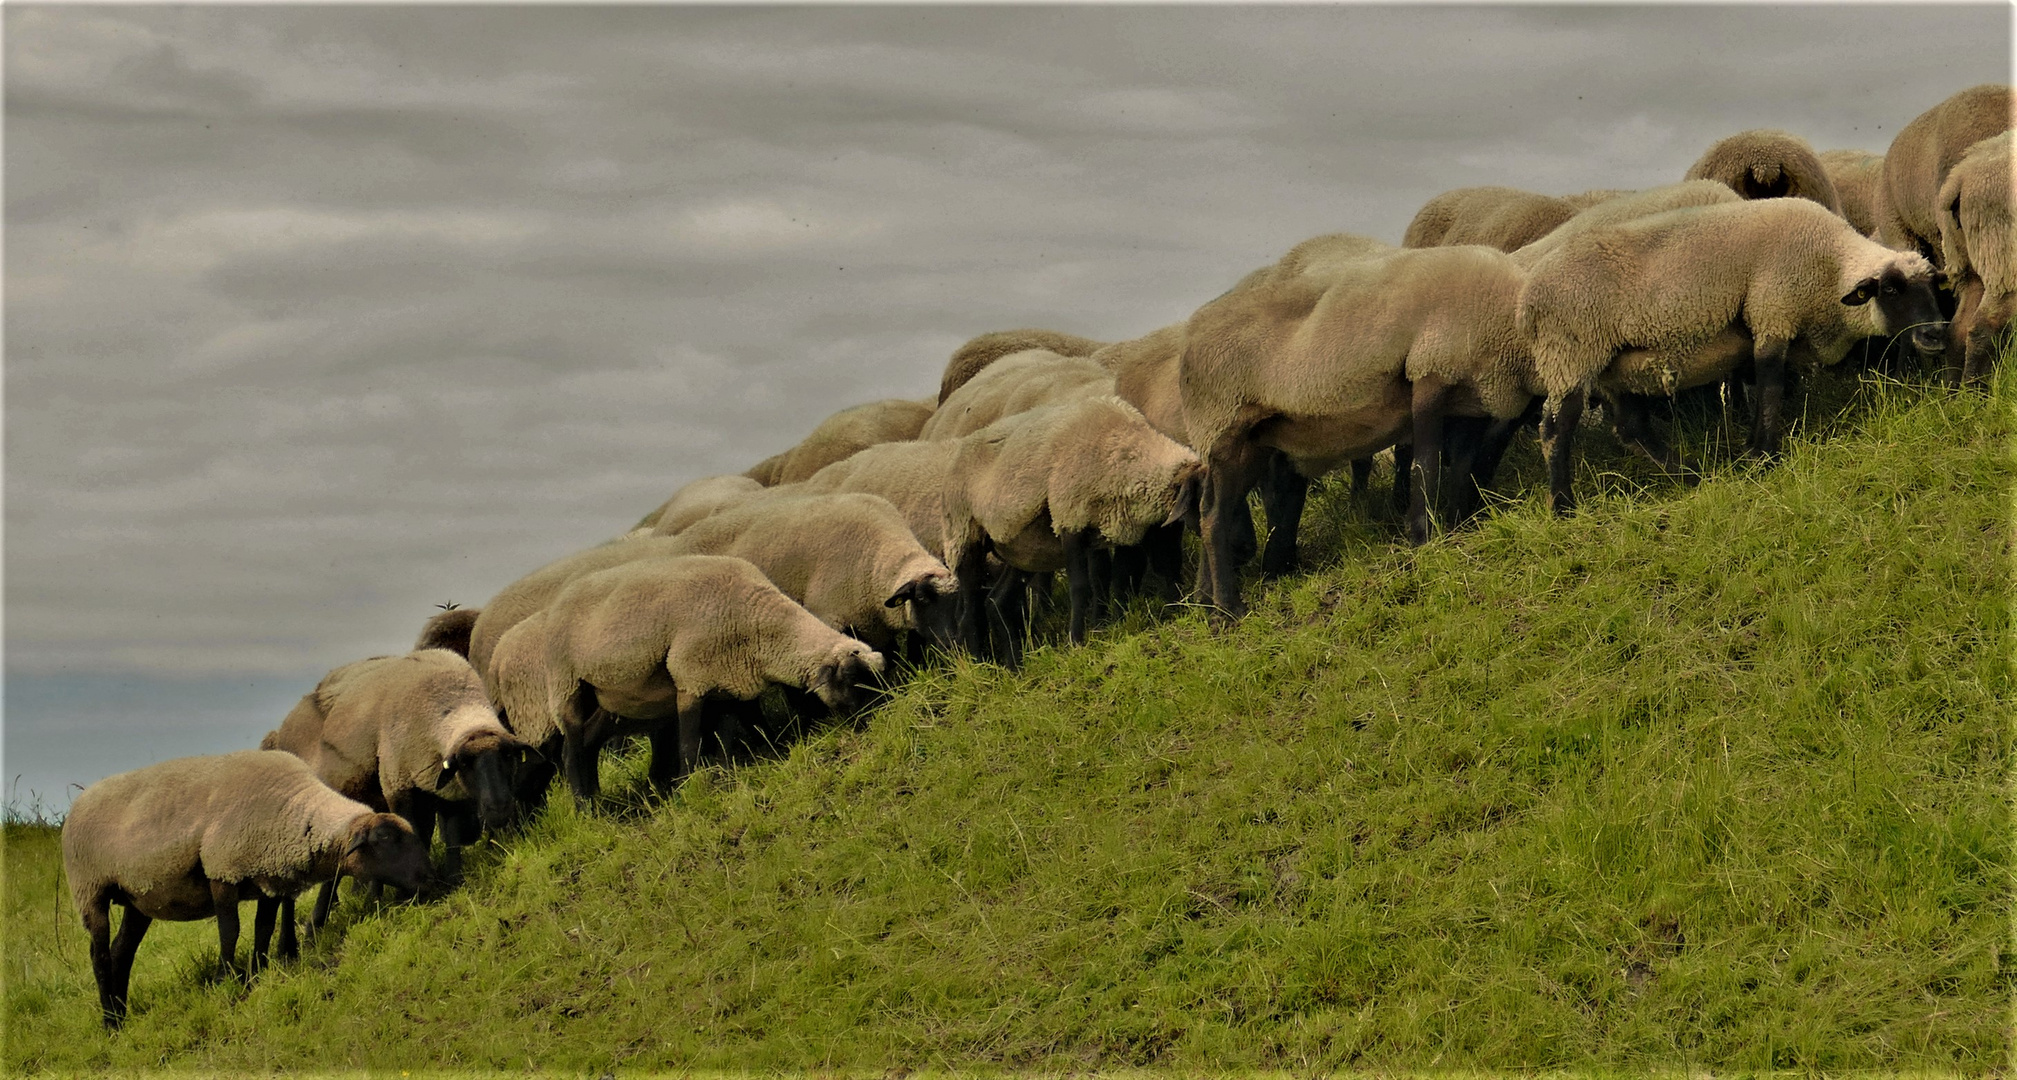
[
  {"x": 707, "y": 495},
  {"x": 1976, "y": 242},
  {"x": 1924, "y": 152},
  {"x": 1767, "y": 164},
  {"x": 412, "y": 734},
  {"x": 1683, "y": 298},
  {"x": 636, "y": 647},
  {"x": 189, "y": 838},
  {"x": 1627, "y": 207},
  {"x": 839, "y": 436},
  {"x": 531, "y": 592},
  {"x": 909, "y": 475},
  {"x": 1858, "y": 176},
  {"x": 971, "y": 358},
  {"x": 448, "y": 630},
  {"x": 1013, "y": 384},
  {"x": 1337, "y": 368},
  {"x": 1501, "y": 217}
]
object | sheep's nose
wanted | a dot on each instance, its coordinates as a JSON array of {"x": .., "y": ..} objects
[{"x": 1931, "y": 340}]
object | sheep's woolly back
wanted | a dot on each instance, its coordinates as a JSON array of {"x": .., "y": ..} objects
[
  {"x": 1501, "y": 217},
  {"x": 531, "y": 592},
  {"x": 1093, "y": 463},
  {"x": 394, "y": 720},
  {"x": 1627, "y": 207},
  {"x": 846, "y": 432},
  {"x": 1016, "y": 383},
  {"x": 1673, "y": 284},
  {"x": 1858, "y": 176},
  {"x": 448, "y": 630},
  {"x": 910, "y": 475},
  {"x": 1343, "y": 350},
  {"x": 1767, "y": 164},
  {"x": 979, "y": 353},
  {"x": 253, "y": 815},
  {"x": 1974, "y": 217},
  {"x": 517, "y": 681},
  {"x": 1925, "y": 151},
  {"x": 707, "y": 495},
  {"x": 709, "y": 622},
  {"x": 1145, "y": 376},
  {"x": 1583, "y": 200},
  {"x": 841, "y": 556}
]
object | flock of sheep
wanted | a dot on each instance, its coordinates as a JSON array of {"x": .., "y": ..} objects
[{"x": 902, "y": 525}]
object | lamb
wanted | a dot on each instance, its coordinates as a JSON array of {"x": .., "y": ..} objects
[
  {"x": 1767, "y": 164},
  {"x": 1683, "y": 298},
  {"x": 187, "y": 839},
  {"x": 1013, "y": 384},
  {"x": 1331, "y": 369},
  {"x": 839, "y": 436},
  {"x": 1858, "y": 176},
  {"x": 1976, "y": 243},
  {"x": 1501, "y": 217},
  {"x": 1924, "y": 152},
  {"x": 412, "y": 734},
  {"x": 977, "y": 354},
  {"x": 707, "y": 495},
  {"x": 636, "y": 647}
]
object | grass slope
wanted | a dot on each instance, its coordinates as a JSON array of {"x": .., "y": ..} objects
[{"x": 1705, "y": 777}]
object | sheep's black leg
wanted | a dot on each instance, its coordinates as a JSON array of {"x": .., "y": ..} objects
[
  {"x": 970, "y": 568},
  {"x": 1769, "y": 361},
  {"x": 454, "y": 835},
  {"x": 535, "y": 777},
  {"x": 1100, "y": 563},
  {"x": 1426, "y": 476},
  {"x": 667, "y": 755},
  {"x": 1009, "y": 603},
  {"x": 98, "y": 923},
  {"x": 418, "y": 811},
  {"x": 1404, "y": 461},
  {"x": 224, "y": 899},
  {"x": 1283, "y": 494},
  {"x": 1232, "y": 465},
  {"x": 1498, "y": 435},
  {"x": 1990, "y": 321},
  {"x": 290, "y": 945},
  {"x": 1164, "y": 547},
  {"x": 1362, "y": 478},
  {"x": 1631, "y": 415},
  {"x": 692, "y": 728},
  {"x": 1461, "y": 436},
  {"x": 579, "y": 748},
  {"x": 264, "y": 909},
  {"x": 324, "y": 900},
  {"x": 1558, "y": 441},
  {"x": 1078, "y": 573},
  {"x": 1131, "y": 571}
]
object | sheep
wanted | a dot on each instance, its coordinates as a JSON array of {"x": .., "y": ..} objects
[
  {"x": 1583, "y": 200},
  {"x": 1338, "y": 368},
  {"x": 1858, "y": 176},
  {"x": 1683, "y": 298},
  {"x": 1921, "y": 155},
  {"x": 638, "y": 648},
  {"x": 413, "y": 734},
  {"x": 707, "y": 495},
  {"x": 977, "y": 354},
  {"x": 1976, "y": 244},
  {"x": 186, "y": 839},
  {"x": 448, "y": 630},
  {"x": 531, "y": 592},
  {"x": 1500, "y": 217},
  {"x": 1767, "y": 164},
  {"x": 1626, "y": 207},
  {"x": 1013, "y": 384},
  {"x": 843, "y": 433}
]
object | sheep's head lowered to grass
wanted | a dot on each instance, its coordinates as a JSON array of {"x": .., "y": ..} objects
[
  {"x": 1898, "y": 291},
  {"x": 845, "y": 678},
  {"x": 384, "y": 848},
  {"x": 485, "y": 762},
  {"x": 931, "y": 606}
]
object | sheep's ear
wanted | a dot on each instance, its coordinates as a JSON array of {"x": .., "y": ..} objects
[
  {"x": 1188, "y": 494},
  {"x": 909, "y": 591},
  {"x": 1861, "y": 294},
  {"x": 447, "y": 773}
]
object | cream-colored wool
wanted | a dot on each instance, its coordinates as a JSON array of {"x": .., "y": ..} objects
[
  {"x": 842, "y": 556},
  {"x": 1652, "y": 306},
  {"x": 1026, "y": 481},
  {"x": 910, "y": 475},
  {"x": 517, "y": 681},
  {"x": 977, "y": 354},
  {"x": 1767, "y": 164},
  {"x": 707, "y": 495},
  {"x": 381, "y": 727},
  {"x": 649, "y": 634},
  {"x": 1636, "y": 204},
  {"x": 531, "y": 592},
  {"x": 1925, "y": 151},
  {"x": 448, "y": 630},
  {"x": 850, "y": 430},
  {"x": 1976, "y": 241},
  {"x": 1320, "y": 369},
  {"x": 1016, "y": 383},
  {"x": 1583, "y": 200},
  {"x": 162, "y": 833},
  {"x": 1858, "y": 176},
  {"x": 1501, "y": 217}
]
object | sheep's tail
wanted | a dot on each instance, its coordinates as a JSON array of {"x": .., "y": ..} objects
[{"x": 449, "y": 630}]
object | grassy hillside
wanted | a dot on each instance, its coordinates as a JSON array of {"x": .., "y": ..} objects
[{"x": 1707, "y": 776}]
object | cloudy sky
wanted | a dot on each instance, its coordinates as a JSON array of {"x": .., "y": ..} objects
[{"x": 318, "y": 316}]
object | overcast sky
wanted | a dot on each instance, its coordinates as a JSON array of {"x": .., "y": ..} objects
[{"x": 318, "y": 316}]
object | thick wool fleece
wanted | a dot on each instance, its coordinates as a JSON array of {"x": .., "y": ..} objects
[
  {"x": 1767, "y": 164},
  {"x": 531, "y": 592},
  {"x": 979, "y": 353},
  {"x": 1013, "y": 384},
  {"x": 1321, "y": 367},
  {"x": 1648, "y": 306},
  {"x": 849, "y": 431},
  {"x": 161, "y": 833},
  {"x": 1925, "y": 151},
  {"x": 1858, "y": 176},
  {"x": 840, "y": 555},
  {"x": 381, "y": 727},
  {"x": 910, "y": 475},
  {"x": 1094, "y": 464},
  {"x": 517, "y": 681},
  {"x": 645, "y": 633},
  {"x": 1500, "y": 217},
  {"x": 707, "y": 495},
  {"x": 1636, "y": 204},
  {"x": 1974, "y": 217}
]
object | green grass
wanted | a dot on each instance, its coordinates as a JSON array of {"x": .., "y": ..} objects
[{"x": 1707, "y": 777}]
